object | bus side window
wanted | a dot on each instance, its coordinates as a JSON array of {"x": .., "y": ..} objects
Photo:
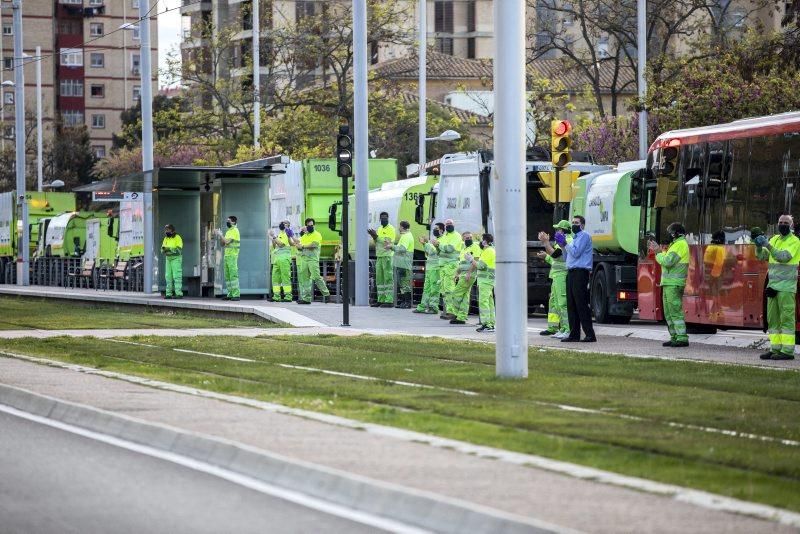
[
  {"x": 766, "y": 187},
  {"x": 736, "y": 223}
]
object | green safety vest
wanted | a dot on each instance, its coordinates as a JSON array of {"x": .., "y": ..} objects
[
  {"x": 674, "y": 263},
  {"x": 232, "y": 249},
  {"x": 404, "y": 251},
  {"x": 558, "y": 266},
  {"x": 307, "y": 239},
  {"x": 450, "y": 244},
  {"x": 486, "y": 263},
  {"x": 431, "y": 257},
  {"x": 783, "y": 261},
  {"x": 173, "y": 244},
  {"x": 385, "y": 234},
  {"x": 282, "y": 252},
  {"x": 463, "y": 264}
]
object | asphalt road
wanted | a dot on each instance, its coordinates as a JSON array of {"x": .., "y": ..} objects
[{"x": 52, "y": 480}]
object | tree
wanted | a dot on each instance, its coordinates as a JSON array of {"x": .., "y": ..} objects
[
  {"x": 168, "y": 121},
  {"x": 728, "y": 82},
  {"x": 69, "y": 157},
  {"x": 126, "y": 161}
]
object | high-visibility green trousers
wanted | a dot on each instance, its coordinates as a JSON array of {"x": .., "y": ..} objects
[
  {"x": 308, "y": 275},
  {"x": 461, "y": 296},
  {"x": 282, "y": 278},
  {"x": 173, "y": 272},
  {"x": 486, "y": 301},
  {"x": 404, "y": 281},
  {"x": 430, "y": 291},
  {"x": 557, "y": 319},
  {"x": 384, "y": 279},
  {"x": 672, "y": 298},
  {"x": 781, "y": 322},
  {"x": 232, "y": 276},
  {"x": 447, "y": 285}
]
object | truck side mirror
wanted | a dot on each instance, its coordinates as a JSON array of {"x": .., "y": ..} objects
[
  {"x": 637, "y": 187},
  {"x": 419, "y": 211},
  {"x": 334, "y": 208}
]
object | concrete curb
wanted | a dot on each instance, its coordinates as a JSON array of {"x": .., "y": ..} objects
[
  {"x": 408, "y": 506},
  {"x": 282, "y": 316}
]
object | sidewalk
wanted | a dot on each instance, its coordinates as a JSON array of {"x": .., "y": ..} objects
[{"x": 385, "y": 454}]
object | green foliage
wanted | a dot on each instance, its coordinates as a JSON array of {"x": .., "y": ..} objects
[{"x": 743, "y": 79}]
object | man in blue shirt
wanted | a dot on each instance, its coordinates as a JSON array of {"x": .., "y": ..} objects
[{"x": 579, "y": 268}]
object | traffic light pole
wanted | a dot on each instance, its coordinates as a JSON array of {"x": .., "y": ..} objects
[
  {"x": 344, "y": 285},
  {"x": 557, "y": 210}
]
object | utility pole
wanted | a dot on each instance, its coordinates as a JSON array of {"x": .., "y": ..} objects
[
  {"x": 256, "y": 74},
  {"x": 508, "y": 186},
  {"x": 23, "y": 261},
  {"x": 641, "y": 53},
  {"x": 147, "y": 145},
  {"x": 361, "y": 116},
  {"x": 39, "y": 133},
  {"x": 423, "y": 82}
]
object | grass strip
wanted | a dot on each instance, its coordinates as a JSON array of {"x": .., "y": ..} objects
[
  {"x": 505, "y": 414},
  {"x": 25, "y": 313}
]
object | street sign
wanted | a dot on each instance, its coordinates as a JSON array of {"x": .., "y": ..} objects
[{"x": 115, "y": 196}]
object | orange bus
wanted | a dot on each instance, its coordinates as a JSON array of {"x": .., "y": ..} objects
[{"x": 726, "y": 180}]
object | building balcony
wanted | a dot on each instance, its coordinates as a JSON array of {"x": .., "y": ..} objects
[{"x": 193, "y": 6}]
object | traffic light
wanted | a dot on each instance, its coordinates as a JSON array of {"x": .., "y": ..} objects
[
  {"x": 344, "y": 152},
  {"x": 560, "y": 142},
  {"x": 669, "y": 163}
]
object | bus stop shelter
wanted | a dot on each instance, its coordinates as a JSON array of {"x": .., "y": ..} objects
[{"x": 197, "y": 201}]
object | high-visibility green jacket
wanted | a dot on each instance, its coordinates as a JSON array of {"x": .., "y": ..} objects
[
  {"x": 464, "y": 264},
  {"x": 307, "y": 239},
  {"x": 281, "y": 252},
  {"x": 783, "y": 261},
  {"x": 431, "y": 257},
  {"x": 486, "y": 263},
  {"x": 450, "y": 245},
  {"x": 173, "y": 246},
  {"x": 232, "y": 248},
  {"x": 403, "y": 251},
  {"x": 558, "y": 266},
  {"x": 674, "y": 263},
  {"x": 385, "y": 234}
]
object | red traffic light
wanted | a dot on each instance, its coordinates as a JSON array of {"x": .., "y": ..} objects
[{"x": 562, "y": 128}]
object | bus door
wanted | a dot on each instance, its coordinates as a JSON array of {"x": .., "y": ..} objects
[{"x": 648, "y": 272}]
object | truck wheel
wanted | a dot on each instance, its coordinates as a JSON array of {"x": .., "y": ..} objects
[{"x": 599, "y": 297}]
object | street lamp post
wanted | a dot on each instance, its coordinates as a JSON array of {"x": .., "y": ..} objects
[
  {"x": 641, "y": 52},
  {"x": 423, "y": 82},
  {"x": 511, "y": 360},
  {"x": 256, "y": 74},
  {"x": 23, "y": 261},
  {"x": 361, "y": 117},
  {"x": 39, "y": 138},
  {"x": 147, "y": 139}
]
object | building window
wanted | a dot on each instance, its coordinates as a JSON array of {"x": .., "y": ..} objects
[
  {"x": 136, "y": 33},
  {"x": 71, "y": 57},
  {"x": 98, "y": 60},
  {"x": 99, "y": 151},
  {"x": 96, "y": 2},
  {"x": 96, "y": 29},
  {"x": 8, "y": 97},
  {"x": 8, "y": 63},
  {"x": 8, "y": 28},
  {"x": 136, "y": 63},
  {"x": 443, "y": 16},
  {"x": 98, "y": 91},
  {"x": 135, "y": 4},
  {"x": 8, "y": 132},
  {"x": 303, "y": 9},
  {"x": 79, "y": 2},
  {"x": 471, "y": 48},
  {"x": 72, "y": 118},
  {"x": 69, "y": 27},
  {"x": 137, "y": 93},
  {"x": 98, "y": 121},
  {"x": 71, "y": 88}
]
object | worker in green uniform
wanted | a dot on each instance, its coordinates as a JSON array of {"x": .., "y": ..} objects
[
  {"x": 485, "y": 265},
  {"x": 464, "y": 278},
  {"x": 449, "y": 247},
  {"x": 429, "y": 303},
  {"x": 281, "y": 258},
  {"x": 232, "y": 242},
  {"x": 308, "y": 275},
  {"x": 783, "y": 253},
  {"x": 384, "y": 276},
  {"x": 402, "y": 260},
  {"x": 172, "y": 248},
  {"x": 557, "y": 319},
  {"x": 674, "y": 268}
]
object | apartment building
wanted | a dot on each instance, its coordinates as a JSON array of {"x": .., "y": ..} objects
[{"x": 90, "y": 68}]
